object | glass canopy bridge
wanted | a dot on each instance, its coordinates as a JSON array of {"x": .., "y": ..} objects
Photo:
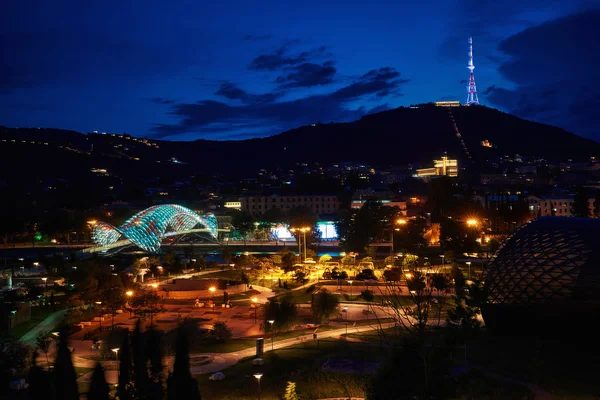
[{"x": 147, "y": 228}]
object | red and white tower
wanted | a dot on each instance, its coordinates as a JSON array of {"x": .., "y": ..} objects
[{"x": 471, "y": 89}]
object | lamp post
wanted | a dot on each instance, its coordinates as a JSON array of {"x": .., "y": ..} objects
[
  {"x": 469, "y": 265},
  {"x": 129, "y": 293},
  {"x": 255, "y": 303},
  {"x": 304, "y": 230},
  {"x": 258, "y": 376},
  {"x": 294, "y": 230},
  {"x": 212, "y": 291},
  {"x": 45, "y": 284},
  {"x": 116, "y": 351},
  {"x": 350, "y": 282},
  {"x": 442, "y": 256},
  {"x": 272, "y": 321},
  {"x": 99, "y": 303}
]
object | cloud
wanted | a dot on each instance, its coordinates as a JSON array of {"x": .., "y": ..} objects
[
  {"x": 210, "y": 117},
  {"x": 281, "y": 58},
  {"x": 232, "y": 92},
  {"x": 256, "y": 38},
  {"x": 556, "y": 84},
  {"x": 489, "y": 90},
  {"x": 162, "y": 100},
  {"x": 307, "y": 75}
]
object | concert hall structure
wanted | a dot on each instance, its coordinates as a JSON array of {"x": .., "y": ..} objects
[{"x": 545, "y": 278}]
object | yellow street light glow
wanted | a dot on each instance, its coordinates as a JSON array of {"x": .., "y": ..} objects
[
  {"x": 212, "y": 289},
  {"x": 408, "y": 275},
  {"x": 129, "y": 293},
  {"x": 254, "y": 300},
  {"x": 401, "y": 221},
  {"x": 472, "y": 222},
  {"x": 154, "y": 285},
  {"x": 92, "y": 222}
]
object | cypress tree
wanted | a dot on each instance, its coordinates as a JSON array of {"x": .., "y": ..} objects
[
  {"x": 37, "y": 380},
  {"x": 65, "y": 380},
  {"x": 180, "y": 384},
  {"x": 140, "y": 367},
  {"x": 124, "y": 387},
  {"x": 98, "y": 385},
  {"x": 154, "y": 353}
]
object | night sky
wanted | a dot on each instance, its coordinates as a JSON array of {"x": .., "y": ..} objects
[{"x": 185, "y": 70}]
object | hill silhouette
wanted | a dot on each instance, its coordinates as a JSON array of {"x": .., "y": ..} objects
[{"x": 396, "y": 137}]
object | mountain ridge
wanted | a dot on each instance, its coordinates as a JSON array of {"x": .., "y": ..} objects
[{"x": 400, "y": 136}]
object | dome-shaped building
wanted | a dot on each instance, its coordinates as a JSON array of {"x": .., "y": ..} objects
[{"x": 545, "y": 277}]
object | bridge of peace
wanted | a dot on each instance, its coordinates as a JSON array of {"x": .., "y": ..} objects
[{"x": 148, "y": 228}]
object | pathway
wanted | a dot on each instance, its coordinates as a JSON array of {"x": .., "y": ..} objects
[
  {"x": 220, "y": 361},
  {"x": 47, "y": 325}
]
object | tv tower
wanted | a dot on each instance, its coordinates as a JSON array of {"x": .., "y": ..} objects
[{"x": 471, "y": 89}]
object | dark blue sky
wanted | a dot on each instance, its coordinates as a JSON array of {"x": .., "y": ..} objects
[{"x": 183, "y": 70}]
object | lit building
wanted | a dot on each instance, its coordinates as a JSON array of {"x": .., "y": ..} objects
[
  {"x": 454, "y": 103},
  {"x": 319, "y": 204},
  {"x": 560, "y": 206},
  {"x": 234, "y": 205},
  {"x": 443, "y": 167}
]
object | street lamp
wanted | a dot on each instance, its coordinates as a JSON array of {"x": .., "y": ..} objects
[
  {"x": 45, "y": 284},
  {"x": 100, "y": 303},
  {"x": 116, "y": 351},
  {"x": 469, "y": 264},
  {"x": 442, "y": 256},
  {"x": 129, "y": 293},
  {"x": 212, "y": 291},
  {"x": 272, "y": 321},
  {"x": 154, "y": 285},
  {"x": 304, "y": 230},
  {"x": 294, "y": 230},
  {"x": 472, "y": 222},
  {"x": 258, "y": 376},
  {"x": 350, "y": 282},
  {"x": 255, "y": 302}
]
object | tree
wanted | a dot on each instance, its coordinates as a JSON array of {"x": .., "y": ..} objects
[
  {"x": 155, "y": 355},
  {"x": 180, "y": 384},
  {"x": 324, "y": 306},
  {"x": 146, "y": 303},
  {"x": 581, "y": 205},
  {"x": 98, "y": 385},
  {"x": 300, "y": 277},
  {"x": 273, "y": 216},
  {"x": 358, "y": 228},
  {"x": 124, "y": 381},
  {"x": 283, "y": 311},
  {"x": 221, "y": 332},
  {"x": 287, "y": 259},
  {"x": 367, "y": 295},
  {"x": 243, "y": 223},
  {"x": 410, "y": 236},
  {"x": 65, "y": 379},
  {"x": 42, "y": 344},
  {"x": 290, "y": 392},
  {"x": 140, "y": 368},
  {"x": 37, "y": 380},
  {"x": 324, "y": 259},
  {"x": 14, "y": 357}
]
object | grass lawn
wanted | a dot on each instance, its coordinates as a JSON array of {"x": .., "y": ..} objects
[
  {"x": 226, "y": 274},
  {"x": 227, "y": 347},
  {"x": 38, "y": 314},
  {"x": 300, "y": 364}
]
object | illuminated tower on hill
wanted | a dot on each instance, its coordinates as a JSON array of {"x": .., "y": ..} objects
[{"x": 471, "y": 89}]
